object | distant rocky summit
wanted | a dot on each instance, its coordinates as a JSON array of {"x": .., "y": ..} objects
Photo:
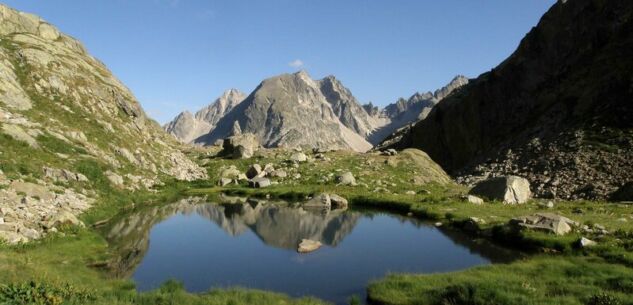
[
  {"x": 293, "y": 110},
  {"x": 187, "y": 127},
  {"x": 559, "y": 111},
  {"x": 67, "y": 125}
]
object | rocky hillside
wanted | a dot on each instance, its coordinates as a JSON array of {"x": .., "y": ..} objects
[
  {"x": 188, "y": 127},
  {"x": 68, "y": 127},
  {"x": 558, "y": 111}
]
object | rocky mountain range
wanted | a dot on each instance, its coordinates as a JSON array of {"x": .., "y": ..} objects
[
  {"x": 558, "y": 111},
  {"x": 295, "y": 110},
  {"x": 68, "y": 127}
]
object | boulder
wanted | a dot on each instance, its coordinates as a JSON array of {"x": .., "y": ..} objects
[
  {"x": 624, "y": 193},
  {"x": 346, "y": 178},
  {"x": 307, "y": 246},
  {"x": 547, "y": 222},
  {"x": 319, "y": 201},
  {"x": 241, "y": 146},
  {"x": 298, "y": 157},
  {"x": 254, "y": 171},
  {"x": 338, "y": 202},
  {"x": 509, "y": 189},
  {"x": 259, "y": 182}
]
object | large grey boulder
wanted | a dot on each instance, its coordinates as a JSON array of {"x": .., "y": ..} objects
[
  {"x": 241, "y": 146},
  {"x": 509, "y": 189}
]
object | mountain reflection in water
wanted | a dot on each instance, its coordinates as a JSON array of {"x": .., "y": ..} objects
[{"x": 256, "y": 247}]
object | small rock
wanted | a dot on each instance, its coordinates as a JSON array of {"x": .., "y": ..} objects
[
  {"x": 307, "y": 246},
  {"x": 411, "y": 193},
  {"x": 584, "y": 242},
  {"x": 259, "y": 182},
  {"x": 346, "y": 178},
  {"x": 298, "y": 157},
  {"x": 475, "y": 200}
]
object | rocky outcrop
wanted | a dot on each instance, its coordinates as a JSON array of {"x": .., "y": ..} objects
[
  {"x": 558, "y": 111},
  {"x": 187, "y": 127}
]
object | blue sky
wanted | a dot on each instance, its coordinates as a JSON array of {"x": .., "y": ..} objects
[{"x": 182, "y": 54}]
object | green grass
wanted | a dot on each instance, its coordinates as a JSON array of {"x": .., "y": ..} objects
[{"x": 537, "y": 280}]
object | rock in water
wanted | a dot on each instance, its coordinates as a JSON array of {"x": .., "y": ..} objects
[
  {"x": 319, "y": 201},
  {"x": 510, "y": 189},
  {"x": 338, "y": 202},
  {"x": 307, "y": 246}
]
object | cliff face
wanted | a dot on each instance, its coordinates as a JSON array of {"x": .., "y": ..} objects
[{"x": 558, "y": 111}]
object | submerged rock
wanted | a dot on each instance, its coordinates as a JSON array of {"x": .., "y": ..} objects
[{"x": 307, "y": 246}]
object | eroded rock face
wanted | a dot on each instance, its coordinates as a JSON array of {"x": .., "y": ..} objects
[
  {"x": 557, "y": 111},
  {"x": 510, "y": 189}
]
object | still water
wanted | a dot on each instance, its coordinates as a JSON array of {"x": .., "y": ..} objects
[{"x": 254, "y": 245}]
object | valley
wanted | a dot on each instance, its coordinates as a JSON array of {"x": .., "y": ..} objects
[{"x": 514, "y": 187}]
